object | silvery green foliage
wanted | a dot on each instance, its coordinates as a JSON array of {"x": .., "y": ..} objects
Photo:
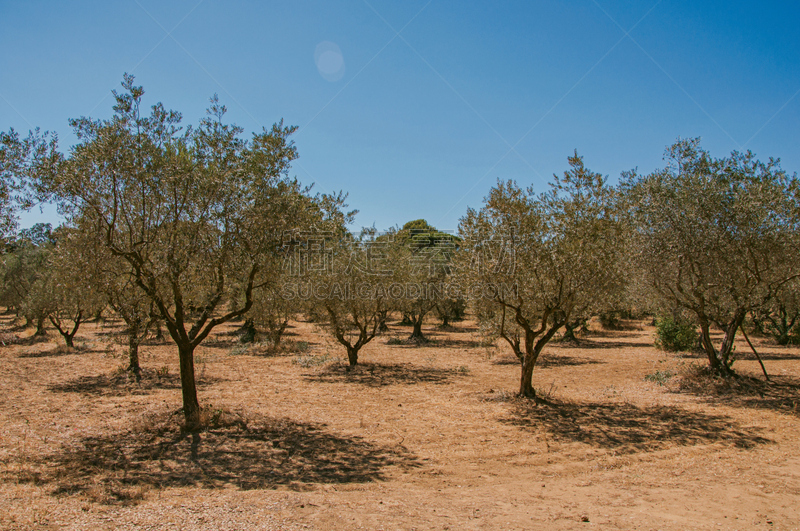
[
  {"x": 355, "y": 297},
  {"x": 536, "y": 261},
  {"x": 197, "y": 214},
  {"x": 71, "y": 289},
  {"x": 18, "y": 156},
  {"x": 715, "y": 237}
]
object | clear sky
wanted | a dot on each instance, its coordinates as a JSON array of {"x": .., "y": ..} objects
[{"x": 417, "y": 107}]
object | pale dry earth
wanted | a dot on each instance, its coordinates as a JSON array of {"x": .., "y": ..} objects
[{"x": 419, "y": 437}]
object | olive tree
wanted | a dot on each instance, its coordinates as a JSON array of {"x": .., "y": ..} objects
[
  {"x": 69, "y": 286},
  {"x": 538, "y": 261},
  {"x": 24, "y": 265},
  {"x": 357, "y": 294},
  {"x": 714, "y": 237},
  {"x": 135, "y": 309},
  {"x": 272, "y": 312},
  {"x": 194, "y": 214}
]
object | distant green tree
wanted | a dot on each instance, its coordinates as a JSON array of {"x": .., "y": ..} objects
[{"x": 421, "y": 260}]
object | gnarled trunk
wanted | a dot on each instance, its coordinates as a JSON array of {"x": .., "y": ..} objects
[
  {"x": 708, "y": 347},
  {"x": 40, "y": 331},
  {"x": 69, "y": 340},
  {"x": 532, "y": 352},
  {"x": 719, "y": 360},
  {"x": 191, "y": 407},
  {"x": 382, "y": 326},
  {"x": 352, "y": 356},
  {"x": 276, "y": 330},
  {"x": 133, "y": 355},
  {"x": 526, "y": 389},
  {"x": 67, "y": 334},
  {"x": 416, "y": 334}
]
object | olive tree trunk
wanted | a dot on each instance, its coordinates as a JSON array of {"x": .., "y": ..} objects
[{"x": 191, "y": 406}]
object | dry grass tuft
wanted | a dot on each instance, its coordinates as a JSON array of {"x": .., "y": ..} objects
[{"x": 500, "y": 395}]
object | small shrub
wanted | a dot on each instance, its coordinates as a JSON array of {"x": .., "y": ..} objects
[
  {"x": 675, "y": 335},
  {"x": 163, "y": 372},
  {"x": 462, "y": 369},
  {"x": 394, "y": 341},
  {"x": 659, "y": 377}
]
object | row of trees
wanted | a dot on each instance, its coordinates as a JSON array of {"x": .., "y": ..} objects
[
  {"x": 195, "y": 227},
  {"x": 712, "y": 240}
]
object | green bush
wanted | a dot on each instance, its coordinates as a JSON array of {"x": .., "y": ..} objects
[{"x": 675, "y": 335}]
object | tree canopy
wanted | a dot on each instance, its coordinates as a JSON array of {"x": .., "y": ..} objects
[
  {"x": 196, "y": 214},
  {"x": 535, "y": 261}
]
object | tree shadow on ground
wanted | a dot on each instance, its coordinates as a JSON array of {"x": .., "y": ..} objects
[
  {"x": 619, "y": 333},
  {"x": 505, "y": 360},
  {"x": 548, "y": 361},
  {"x": 461, "y": 343},
  {"x": 380, "y": 375},
  {"x": 55, "y": 352},
  {"x": 456, "y": 327},
  {"x": 266, "y": 349},
  {"x": 239, "y": 451},
  {"x": 558, "y": 360},
  {"x": 589, "y": 344},
  {"x": 780, "y": 394},
  {"x": 112, "y": 332},
  {"x": 766, "y": 355},
  {"x": 123, "y": 384},
  {"x": 221, "y": 342},
  {"x": 9, "y": 339},
  {"x": 626, "y": 428}
]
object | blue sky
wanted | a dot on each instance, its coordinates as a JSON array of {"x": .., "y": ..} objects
[{"x": 417, "y": 107}]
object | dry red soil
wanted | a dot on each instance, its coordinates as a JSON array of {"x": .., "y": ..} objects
[{"x": 418, "y": 437}]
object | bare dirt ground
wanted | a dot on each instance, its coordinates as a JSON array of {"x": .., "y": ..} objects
[{"x": 427, "y": 437}]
